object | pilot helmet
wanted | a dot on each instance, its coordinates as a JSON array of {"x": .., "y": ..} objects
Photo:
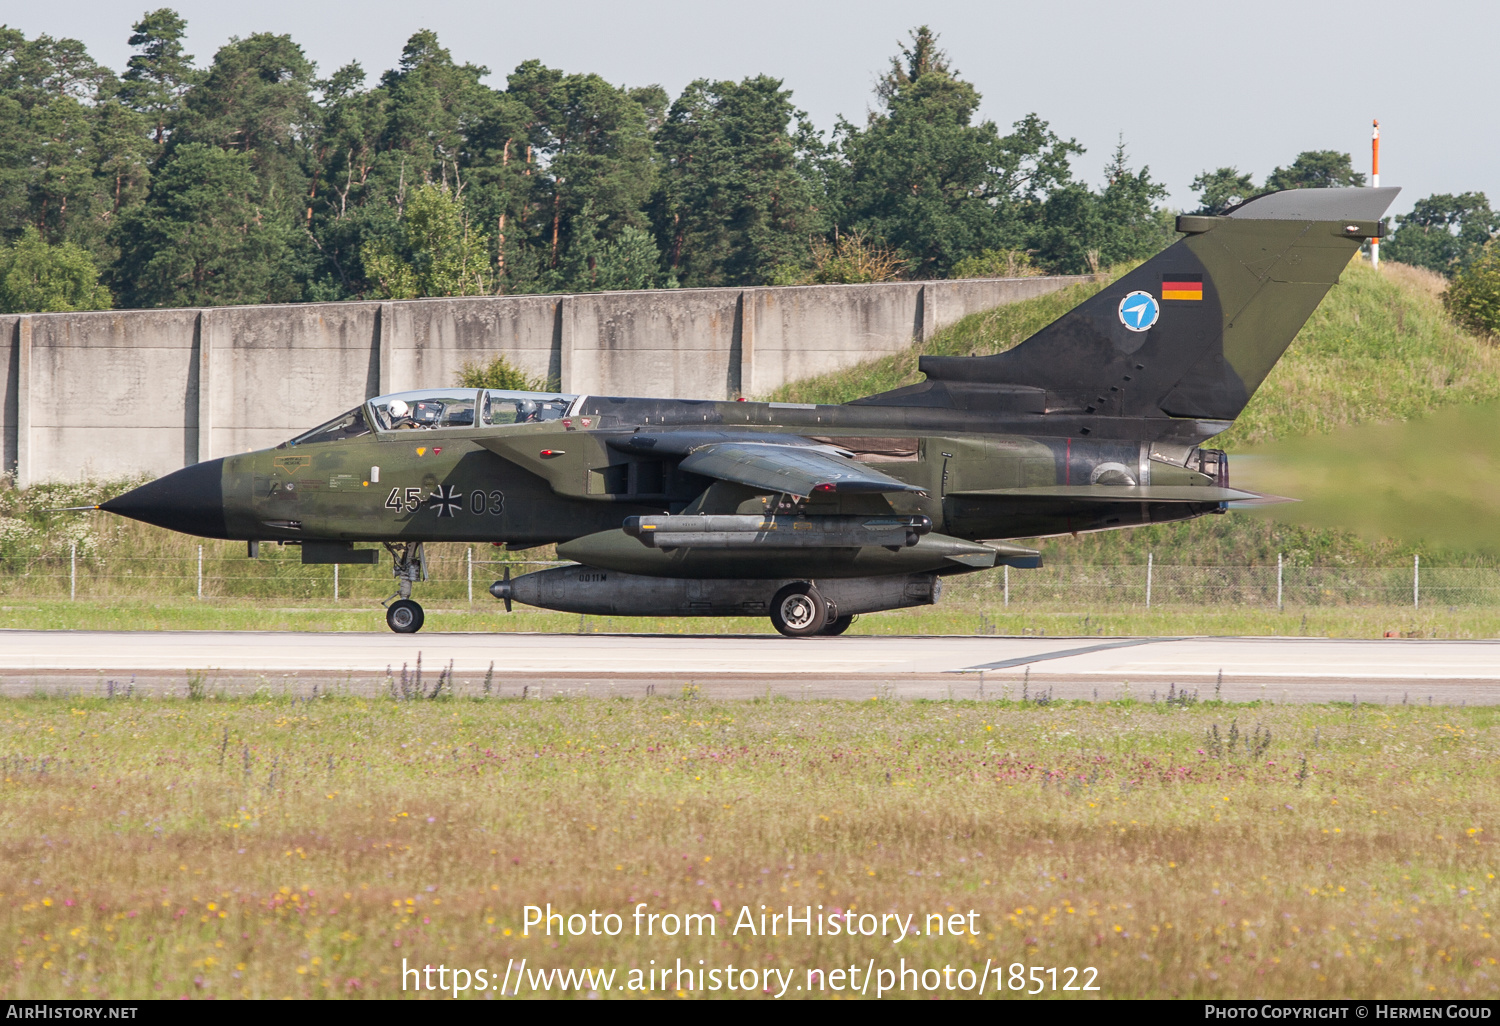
[{"x": 399, "y": 410}]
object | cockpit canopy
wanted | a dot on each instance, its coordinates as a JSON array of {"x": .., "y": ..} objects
[
  {"x": 426, "y": 408},
  {"x": 429, "y": 408}
]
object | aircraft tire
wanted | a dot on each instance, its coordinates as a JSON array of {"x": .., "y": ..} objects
[
  {"x": 838, "y": 626},
  {"x": 404, "y": 616},
  {"x": 799, "y": 611}
]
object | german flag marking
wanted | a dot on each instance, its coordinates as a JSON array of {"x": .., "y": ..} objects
[{"x": 1182, "y": 286}]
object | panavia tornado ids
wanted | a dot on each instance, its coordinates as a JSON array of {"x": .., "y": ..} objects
[{"x": 813, "y": 514}]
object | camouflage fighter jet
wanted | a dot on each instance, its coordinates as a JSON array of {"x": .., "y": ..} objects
[{"x": 813, "y": 514}]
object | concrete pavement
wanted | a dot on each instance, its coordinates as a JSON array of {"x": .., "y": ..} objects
[{"x": 1280, "y": 669}]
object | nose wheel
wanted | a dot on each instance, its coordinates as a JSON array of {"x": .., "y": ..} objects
[
  {"x": 408, "y": 565},
  {"x": 404, "y": 616}
]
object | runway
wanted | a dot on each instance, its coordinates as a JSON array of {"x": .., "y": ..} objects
[{"x": 743, "y": 666}]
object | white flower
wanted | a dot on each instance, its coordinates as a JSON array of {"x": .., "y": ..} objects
[{"x": 13, "y": 531}]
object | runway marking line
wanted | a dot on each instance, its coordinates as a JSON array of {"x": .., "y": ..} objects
[{"x": 1066, "y": 653}]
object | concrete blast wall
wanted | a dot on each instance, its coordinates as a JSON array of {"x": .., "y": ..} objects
[{"x": 148, "y": 391}]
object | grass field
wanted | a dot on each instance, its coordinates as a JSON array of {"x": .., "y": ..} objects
[
  {"x": 953, "y": 617},
  {"x": 268, "y": 847}
]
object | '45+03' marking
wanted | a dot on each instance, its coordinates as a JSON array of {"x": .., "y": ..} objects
[{"x": 409, "y": 500}]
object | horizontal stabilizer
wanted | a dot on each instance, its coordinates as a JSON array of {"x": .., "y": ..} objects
[
  {"x": 1117, "y": 493},
  {"x": 1001, "y": 553},
  {"x": 1260, "y": 500}
]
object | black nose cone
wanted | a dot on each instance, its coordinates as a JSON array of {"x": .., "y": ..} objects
[{"x": 190, "y": 500}]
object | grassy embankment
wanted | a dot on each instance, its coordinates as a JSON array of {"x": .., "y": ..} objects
[
  {"x": 1379, "y": 347},
  {"x": 265, "y": 847}
]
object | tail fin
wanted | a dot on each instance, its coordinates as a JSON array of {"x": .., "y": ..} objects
[{"x": 1194, "y": 330}]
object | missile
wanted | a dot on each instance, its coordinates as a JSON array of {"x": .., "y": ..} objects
[{"x": 736, "y": 531}]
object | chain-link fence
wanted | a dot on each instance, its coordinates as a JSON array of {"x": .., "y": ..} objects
[
  {"x": 459, "y": 573},
  {"x": 1155, "y": 584},
  {"x": 276, "y": 574}
]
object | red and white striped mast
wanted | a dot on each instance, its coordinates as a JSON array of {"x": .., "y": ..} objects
[{"x": 1375, "y": 181}]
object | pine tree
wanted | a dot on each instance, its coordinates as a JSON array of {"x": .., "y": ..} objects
[
  {"x": 204, "y": 238},
  {"x": 739, "y": 193},
  {"x": 157, "y": 76},
  {"x": 922, "y": 176}
]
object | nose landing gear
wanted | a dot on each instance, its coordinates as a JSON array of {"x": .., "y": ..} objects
[
  {"x": 404, "y": 616},
  {"x": 408, "y": 565}
]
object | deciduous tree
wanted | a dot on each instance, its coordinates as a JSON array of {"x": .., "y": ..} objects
[
  {"x": 1221, "y": 189},
  {"x": 1316, "y": 169},
  {"x": 39, "y": 278},
  {"x": 1473, "y": 300},
  {"x": 436, "y": 251},
  {"x": 1443, "y": 232},
  {"x": 1080, "y": 231}
]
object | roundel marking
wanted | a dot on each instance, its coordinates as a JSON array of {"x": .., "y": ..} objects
[{"x": 1139, "y": 311}]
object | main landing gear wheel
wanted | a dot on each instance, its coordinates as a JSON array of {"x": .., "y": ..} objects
[
  {"x": 404, "y": 616},
  {"x": 838, "y": 626},
  {"x": 798, "y": 611}
]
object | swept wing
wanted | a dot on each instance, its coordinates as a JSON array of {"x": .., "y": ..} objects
[{"x": 788, "y": 464}]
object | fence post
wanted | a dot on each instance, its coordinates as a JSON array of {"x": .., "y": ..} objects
[
  {"x": 1007, "y": 584},
  {"x": 469, "y": 561},
  {"x": 72, "y": 571},
  {"x": 335, "y": 582},
  {"x": 1150, "y": 558},
  {"x": 200, "y": 573},
  {"x": 1278, "y": 582},
  {"x": 1416, "y": 582}
]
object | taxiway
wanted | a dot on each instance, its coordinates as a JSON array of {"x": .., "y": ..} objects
[{"x": 855, "y": 667}]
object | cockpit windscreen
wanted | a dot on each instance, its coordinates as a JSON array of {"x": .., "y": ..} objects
[{"x": 345, "y": 425}]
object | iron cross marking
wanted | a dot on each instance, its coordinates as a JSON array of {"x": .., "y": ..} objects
[{"x": 446, "y": 500}]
